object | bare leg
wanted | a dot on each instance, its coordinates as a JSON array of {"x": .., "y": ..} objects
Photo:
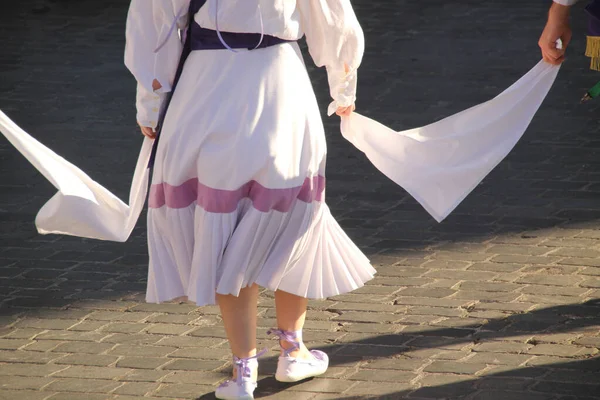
[
  {"x": 291, "y": 313},
  {"x": 239, "y": 317}
]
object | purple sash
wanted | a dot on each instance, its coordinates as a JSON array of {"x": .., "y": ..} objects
[{"x": 593, "y": 9}]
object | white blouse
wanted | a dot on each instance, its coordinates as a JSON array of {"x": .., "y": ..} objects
[{"x": 334, "y": 36}]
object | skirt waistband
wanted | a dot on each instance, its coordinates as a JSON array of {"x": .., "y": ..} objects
[{"x": 208, "y": 39}]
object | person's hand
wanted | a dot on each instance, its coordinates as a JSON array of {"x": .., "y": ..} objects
[
  {"x": 556, "y": 28},
  {"x": 345, "y": 111},
  {"x": 148, "y": 132}
]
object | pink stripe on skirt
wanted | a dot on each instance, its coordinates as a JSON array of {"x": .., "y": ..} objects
[{"x": 226, "y": 201}]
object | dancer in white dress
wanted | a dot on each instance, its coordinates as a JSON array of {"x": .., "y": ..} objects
[
  {"x": 237, "y": 194},
  {"x": 238, "y": 186}
]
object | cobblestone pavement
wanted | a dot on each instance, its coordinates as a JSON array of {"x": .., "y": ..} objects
[{"x": 498, "y": 302}]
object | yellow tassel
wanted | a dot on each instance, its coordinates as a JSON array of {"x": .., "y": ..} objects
[
  {"x": 592, "y": 50},
  {"x": 593, "y": 46}
]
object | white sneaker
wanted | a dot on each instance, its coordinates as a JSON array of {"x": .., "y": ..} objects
[
  {"x": 242, "y": 388},
  {"x": 292, "y": 369},
  {"x": 234, "y": 390}
]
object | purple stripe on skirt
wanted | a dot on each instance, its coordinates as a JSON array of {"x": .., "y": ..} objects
[{"x": 226, "y": 201}]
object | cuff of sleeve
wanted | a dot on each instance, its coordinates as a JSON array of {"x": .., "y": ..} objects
[
  {"x": 148, "y": 106},
  {"x": 343, "y": 90},
  {"x": 566, "y": 2}
]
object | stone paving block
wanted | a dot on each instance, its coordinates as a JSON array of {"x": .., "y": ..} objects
[
  {"x": 456, "y": 256},
  {"x": 86, "y": 372},
  {"x": 46, "y": 323},
  {"x": 72, "y": 336},
  {"x": 371, "y": 328},
  {"x": 80, "y": 396},
  {"x": 373, "y": 375},
  {"x": 592, "y": 341},
  {"x": 356, "y": 316},
  {"x": 377, "y": 390},
  {"x": 202, "y": 352},
  {"x": 555, "y": 280},
  {"x": 218, "y": 332},
  {"x": 510, "y": 395},
  {"x": 116, "y": 316},
  {"x": 590, "y": 389},
  {"x": 195, "y": 365},
  {"x": 489, "y": 287},
  {"x": 131, "y": 339},
  {"x": 400, "y": 364},
  {"x": 82, "y": 385},
  {"x": 136, "y": 388},
  {"x": 141, "y": 362},
  {"x": 172, "y": 319},
  {"x": 345, "y": 306},
  {"x": 454, "y": 367},
  {"x": 518, "y": 249},
  {"x": 23, "y": 333},
  {"x": 124, "y": 328},
  {"x": 22, "y": 382},
  {"x": 550, "y": 299},
  {"x": 13, "y": 344},
  {"x": 141, "y": 351},
  {"x": 590, "y": 283},
  {"x": 502, "y": 347},
  {"x": 591, "y": 271},
  {"x": 33, "y": 357},
  {"x": 88, "y": 326},
  {"x": 554, "y": 290},
  {"x": 22, "y": 395},
  {"x": 28, "y": 370},
  {"x": 184, "y": 391},
  {"x": 427, "y": 292},
  {"x": 104, "y": 304},
  {"x": 87, "y": 359},
  {"x": 188, "y": 341},
  {"x": 580, "y": 262},
  {"x": 320, "y": 385},
  {"x": 193, "y": 377},
  {"x": 139, "y": 375},
  {"x": 436, "y": 386},
  {"x": 165, "y": 308},
  {"x": 521, "y": 259},
  {"x": 560, "y": 350},
  {"x": 504, "y": 384},
  {"x": 498, "y": 358},
  {"x": 513, "y": 306},
  {"x": 428, "y": 301},
  {"x": 42, "y": 345}
]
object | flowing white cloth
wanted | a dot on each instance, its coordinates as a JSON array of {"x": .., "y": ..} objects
[
  {"x": 81, "y": 207},
  {"x": 439, "y": 164}
]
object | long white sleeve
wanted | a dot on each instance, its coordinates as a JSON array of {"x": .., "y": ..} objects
[
  {"x": 335, "y": 39},
  {"x": 150, "y": 24},
  {"x": 566, "y": 2}
]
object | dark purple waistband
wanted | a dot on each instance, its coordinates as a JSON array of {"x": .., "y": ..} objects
[
  {"x": 593, "y": 9},
  {"x": 208, "y": 39}
]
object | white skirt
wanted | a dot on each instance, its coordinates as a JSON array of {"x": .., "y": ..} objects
[{"x": 237, "y": 194}]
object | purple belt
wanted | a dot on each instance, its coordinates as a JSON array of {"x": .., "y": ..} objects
[
  {"x": 198, "y": 38},
  {"x": 593, "y": 9}
]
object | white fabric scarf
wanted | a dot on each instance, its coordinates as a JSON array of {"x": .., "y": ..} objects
[{"x": 438, "y": 164}]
